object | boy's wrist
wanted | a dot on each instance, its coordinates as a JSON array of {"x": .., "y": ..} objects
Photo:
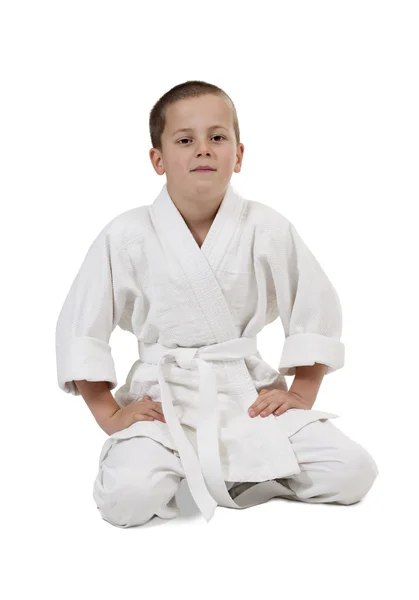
[
  {"x": 100, "y": 401},
  {"x": 307, "y": 382}
]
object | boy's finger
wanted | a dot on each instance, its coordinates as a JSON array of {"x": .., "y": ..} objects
[
  {"x": 259, "y": 403},
  {"x": 266, "y": 393},
  {"x": 157, "y": 415},
  {"x": 269, "y": 409},
  {"x": 256, "y": 408},
  {"x": 261, "y": 400},
  {"x": 154, "y": 405},
  {"x": 142, "y": 417}
]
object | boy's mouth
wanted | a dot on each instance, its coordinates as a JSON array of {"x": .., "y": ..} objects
[{"x": 203, "y": 169}]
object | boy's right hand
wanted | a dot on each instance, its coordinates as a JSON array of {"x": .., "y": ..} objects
[{"x": 141, "y": 410}]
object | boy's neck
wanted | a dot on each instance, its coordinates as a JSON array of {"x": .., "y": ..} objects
[
  {"x": 197, "y": 214},
  {"x": 200, "y": 235}
]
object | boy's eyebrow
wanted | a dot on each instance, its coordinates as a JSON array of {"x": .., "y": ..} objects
[{"x": 191, "y": 129}]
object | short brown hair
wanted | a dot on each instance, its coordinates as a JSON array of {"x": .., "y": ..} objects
[{"x": 188, "y": 89}]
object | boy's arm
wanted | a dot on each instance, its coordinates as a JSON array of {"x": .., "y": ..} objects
[
  {"x": 309, "y": 308},
  {"x": 99, "y": 399},
  {"x": 307, "y": 382},
  {"x": 93, "y": 307}
]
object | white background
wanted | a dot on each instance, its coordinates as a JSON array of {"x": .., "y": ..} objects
[{"x": 327, "y": 98}]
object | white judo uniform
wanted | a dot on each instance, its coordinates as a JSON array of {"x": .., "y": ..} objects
[{"x": 196, "y": 313}]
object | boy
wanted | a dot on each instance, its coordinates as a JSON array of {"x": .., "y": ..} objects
[{"x": 195, "y": 276}]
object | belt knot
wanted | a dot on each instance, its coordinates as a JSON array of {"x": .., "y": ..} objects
[{"x": 184, "y": 356}]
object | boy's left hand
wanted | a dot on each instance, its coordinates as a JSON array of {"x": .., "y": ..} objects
[{"x": 276, "y": 402}]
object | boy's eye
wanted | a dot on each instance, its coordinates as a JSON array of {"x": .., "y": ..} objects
[{"x": 214, "y": 136}]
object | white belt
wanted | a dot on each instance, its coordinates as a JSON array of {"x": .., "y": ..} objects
[{"x": 204, "y": 474}]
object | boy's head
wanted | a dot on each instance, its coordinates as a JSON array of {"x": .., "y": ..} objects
[{"x": 177, "y": 151}]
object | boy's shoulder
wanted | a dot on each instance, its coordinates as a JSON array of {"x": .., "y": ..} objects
[
  {"x": 267, "y": 215},
  {"x": 127, "y": 226}
]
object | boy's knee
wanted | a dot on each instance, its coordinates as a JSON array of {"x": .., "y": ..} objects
[
  {"x": 357, "y": 475},
  {"x": 129, "y": 498}
]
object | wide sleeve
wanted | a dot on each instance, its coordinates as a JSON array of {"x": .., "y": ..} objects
[
  {"x": 92, "y": 309},
  {"x": 309, "y": 309}
]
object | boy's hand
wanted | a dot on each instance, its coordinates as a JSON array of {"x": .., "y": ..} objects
[
  {"x": 276, "y": 402},
  {"x": 145, "y": 409}
]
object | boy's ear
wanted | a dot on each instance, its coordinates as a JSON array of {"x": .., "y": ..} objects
[{"x": 157, "y": 161}]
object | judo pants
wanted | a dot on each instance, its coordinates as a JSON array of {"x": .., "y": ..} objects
[{"x": 139, "y": 477}]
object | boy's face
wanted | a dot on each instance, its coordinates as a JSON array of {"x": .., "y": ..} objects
[{"x": 203, "y": 144}]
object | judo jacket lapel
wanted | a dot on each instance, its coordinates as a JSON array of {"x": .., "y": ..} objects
[{"x": 199, "y": 265}]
